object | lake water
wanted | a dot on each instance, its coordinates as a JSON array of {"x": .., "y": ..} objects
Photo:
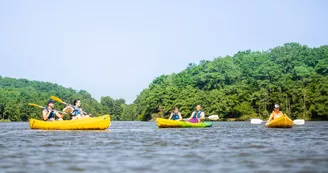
[{"x": 142, "y": 147}]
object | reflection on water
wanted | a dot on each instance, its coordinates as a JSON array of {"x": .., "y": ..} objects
[
  {"x": 142, "y": 147},
  {"x": 78, "y": 131}
]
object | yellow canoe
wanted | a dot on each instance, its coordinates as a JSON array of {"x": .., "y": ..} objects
[
  {"x": 97, "y": 123},
  {"x": 281, "y": 122}
]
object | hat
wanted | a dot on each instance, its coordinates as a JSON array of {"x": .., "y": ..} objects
[
  {"x": 51, "y": 101},
  {"x": 276, "y": 106}
]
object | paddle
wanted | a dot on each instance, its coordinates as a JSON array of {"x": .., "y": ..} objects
[
  {"x": 256, "y": 121},
  {"x": 212, "y": 117},
  {"x": 61, "y": 101},
  {"x": 299, "y": 122},
  {"x": 58, "y": 100},
  {"x": 259, "y": 121},
  {"x": 42, "y": 107}
]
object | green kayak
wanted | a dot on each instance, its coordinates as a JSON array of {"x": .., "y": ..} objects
[{"x": 165, "y": 123}]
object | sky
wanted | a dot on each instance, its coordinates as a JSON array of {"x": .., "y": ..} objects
[{"x": 117, "y": 48}]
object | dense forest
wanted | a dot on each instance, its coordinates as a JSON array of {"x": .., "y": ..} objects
[
  {"x": 16, "y": 94},
  {"x": 241, "y": 86},
  {"x": 245, "y": 85}
]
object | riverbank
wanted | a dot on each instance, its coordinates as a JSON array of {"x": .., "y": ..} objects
[{"x": 5, "y": 120}]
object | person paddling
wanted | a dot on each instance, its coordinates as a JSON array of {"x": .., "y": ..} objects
[
  {"x": 76, "y": 110},
  {"x": 276, "y": 113},
  {"x": 49, "y": 114},
  {"x": 175, "y": 115},
  {"x": 197, "y": 116}
]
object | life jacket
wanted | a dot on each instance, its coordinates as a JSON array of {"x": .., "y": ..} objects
[
  {"x": 276, "y": 114},
  {"x": 51, "y": 115},
  {"x": 76, "y": 110},
  {"x": 197, "y": 114},
  {"x": 175, "y": 116}
]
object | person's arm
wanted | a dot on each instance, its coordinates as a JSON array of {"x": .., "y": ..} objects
[
  {"x": 192, "y": 114},
  {"x": 270, "y": 118},
  {"x": 68, "y": 109},
  {"x": 202, "y": 116},
  {"x": 82, "y": 112},
  {"x": 170, "y": 116},
  {"x": 58, "y": 114},
  {"x": 180, "y": 116},
  {"x": 45, "y": 115}
]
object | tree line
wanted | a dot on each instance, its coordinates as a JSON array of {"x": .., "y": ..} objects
[
  {"x": 245, "y": 85},
  {"x": 242, "y": 86},
  {"x": 16, "y": 94}
]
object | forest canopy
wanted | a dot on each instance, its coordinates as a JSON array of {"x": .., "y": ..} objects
[
  {"x": 245, "y": 85},
  {"x": 241, "y": 86},
  {"x": 16, "y": 94}
]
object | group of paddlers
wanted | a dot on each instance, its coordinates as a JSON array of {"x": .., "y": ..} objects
[
  {"x": 199, "y": 115},
  {"x": 195, "y": 117},
  {"x": 75, "y": 111}
]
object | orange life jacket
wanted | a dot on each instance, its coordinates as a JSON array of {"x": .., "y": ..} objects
[{"x": 274, "y": 114}]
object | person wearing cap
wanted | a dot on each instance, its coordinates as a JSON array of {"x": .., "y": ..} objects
[
  {"x": 50, "y": 114},
  {"x": 276, "y": 113}
]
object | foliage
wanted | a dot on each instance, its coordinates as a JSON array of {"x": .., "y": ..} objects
[
  {"x": 240, "y": 87},
  {"x": 245, "y": 85},
  {"x": 16, "y": 94}
]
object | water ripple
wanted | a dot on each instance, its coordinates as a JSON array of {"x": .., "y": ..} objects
[{"x": 142, "y": 147}]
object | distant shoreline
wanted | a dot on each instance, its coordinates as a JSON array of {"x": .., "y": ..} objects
[{"x": 5, "y": 120}]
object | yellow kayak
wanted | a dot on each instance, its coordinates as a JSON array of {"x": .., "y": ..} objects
[
  {"x": 281, "y": 122},
  {"x": 97, "y": 123}
]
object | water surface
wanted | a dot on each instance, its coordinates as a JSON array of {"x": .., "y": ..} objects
[{"x": 141, "y": 147}]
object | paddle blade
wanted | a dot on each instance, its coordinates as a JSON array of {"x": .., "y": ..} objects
[
  {"x": 213, "y": 117},
  {"x": 35, "y": 105},
  {"x": 57, "y": 99},
  {"x": 256, "y": 121},
  {"x": 299, "y": 122},
  {"x": 32, "y": 104}
]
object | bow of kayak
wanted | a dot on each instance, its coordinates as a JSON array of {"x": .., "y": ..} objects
[
  {"x": 97, "y": 123},
  {"x": 281, "y": 122},
  {"x": 165, "y": 123}
]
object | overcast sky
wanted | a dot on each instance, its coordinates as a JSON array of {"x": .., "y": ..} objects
[{"x": 116, "y": 48}]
